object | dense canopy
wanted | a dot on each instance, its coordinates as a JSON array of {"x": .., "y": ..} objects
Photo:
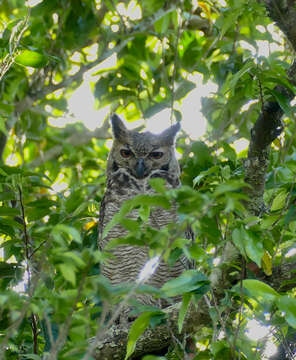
[{"x": 143, "y": 60}]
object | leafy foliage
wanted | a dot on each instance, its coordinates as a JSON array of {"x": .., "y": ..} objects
[{"x": 53, "y": 298}]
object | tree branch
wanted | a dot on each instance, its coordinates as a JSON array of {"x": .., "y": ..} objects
[
  {"x": 113, "y": 346},
  {"x": 266, "y": 129}
]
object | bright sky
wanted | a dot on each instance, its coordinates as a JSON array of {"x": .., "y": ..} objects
[{"x": 82, "y": 106}]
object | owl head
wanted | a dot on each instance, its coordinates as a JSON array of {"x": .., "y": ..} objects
[{"x": 141, "y": 153}]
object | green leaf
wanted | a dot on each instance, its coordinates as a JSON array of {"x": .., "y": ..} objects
[
  {"x": 267, "y": 263},
  {"x": 229, "y": 186},
  {"x": 136, "y": 330},
  {"x": 7, "y": 195},
  {"x": 73, "y": 257},
  {"x": 42, "y": 203},
  {"x": 70, "y": 231},
  {"x": 2, "y": 172},
  {"x": 8, "y": 211},
  {"x": 259, "y": 290},
  {"x": 129, "y": 205},
  {"x": 68, "y": 272},
  {"x": 288, "y": 305},
  {"x": 156, "y": 108},
  {"x": 158, "y": 185},
  {"x": 219, "y": 347},
  {"x": 203, "y": 174},
  {"x": 237, "y": 76},
  {"x": 31, "y": 58},
  {"x": 130, "y": 224},
  {"x": 183, "y": 310},
  {"x": 183, "y": 89},
  {"x": 190, "y": 280},
  {"x": 161, "y": 26},
  {"x": 144, "y": 213},
  {"x": 284, "y": 103},
  {"x": 228, "y": 20},
  {"x": 2, "y": 127},
  {"x": 249, "y": 244},
  {"x": 279, "y": 201},
  {"x": 37, "y": 213},
  {"x": 228, "y": 152},
  {"x": 7, "y": 270},
  {"x": 31, "y": 356}
]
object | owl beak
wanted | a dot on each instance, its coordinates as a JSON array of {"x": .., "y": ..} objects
[{"x": 140, "y": 169}]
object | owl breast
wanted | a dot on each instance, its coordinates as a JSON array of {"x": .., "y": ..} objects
[{"x": 127, "y": 261}]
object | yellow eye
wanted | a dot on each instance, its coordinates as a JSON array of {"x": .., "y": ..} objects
[
  {"x": 125, "y": 153},
  {"x": 156, "y": 155}
]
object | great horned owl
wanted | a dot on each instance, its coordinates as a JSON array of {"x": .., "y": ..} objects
[{"x": 134, "y": 159}]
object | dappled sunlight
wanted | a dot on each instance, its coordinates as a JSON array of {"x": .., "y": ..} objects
[
  {"x": 240, "y": 145},
  {"x": 59, "y": 185},
  {"x": 13, "y": 160},
  {"x": 32, "y": 3},
  {"x": 258, "y": 332},
  {"x": 291, "y": 253},
  {"x": 264, "y": 48},
  {"x": 82, "y": 107}
]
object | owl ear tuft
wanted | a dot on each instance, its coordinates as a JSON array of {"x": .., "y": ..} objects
[
  {"x": 118, "y": 128},
  {"x": 168, "y": 135}
]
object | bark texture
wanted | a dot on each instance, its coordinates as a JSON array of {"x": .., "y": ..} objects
[{"x": 269, "y": 125}]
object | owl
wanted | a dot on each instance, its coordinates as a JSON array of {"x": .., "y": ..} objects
[{"x": 135, "y": 158}]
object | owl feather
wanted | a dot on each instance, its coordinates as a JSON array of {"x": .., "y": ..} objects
[{"x": 134, "y": 159}]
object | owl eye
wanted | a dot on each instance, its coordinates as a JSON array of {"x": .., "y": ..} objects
[
  {"x": 126, "y": 153},
  {"x": 156, "y": 155}
]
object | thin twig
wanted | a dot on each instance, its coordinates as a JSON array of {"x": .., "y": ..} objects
[{"x": 35, "y": 333}]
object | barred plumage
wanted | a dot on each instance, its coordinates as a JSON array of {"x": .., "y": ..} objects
[{"x": 134, "y": 159}]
